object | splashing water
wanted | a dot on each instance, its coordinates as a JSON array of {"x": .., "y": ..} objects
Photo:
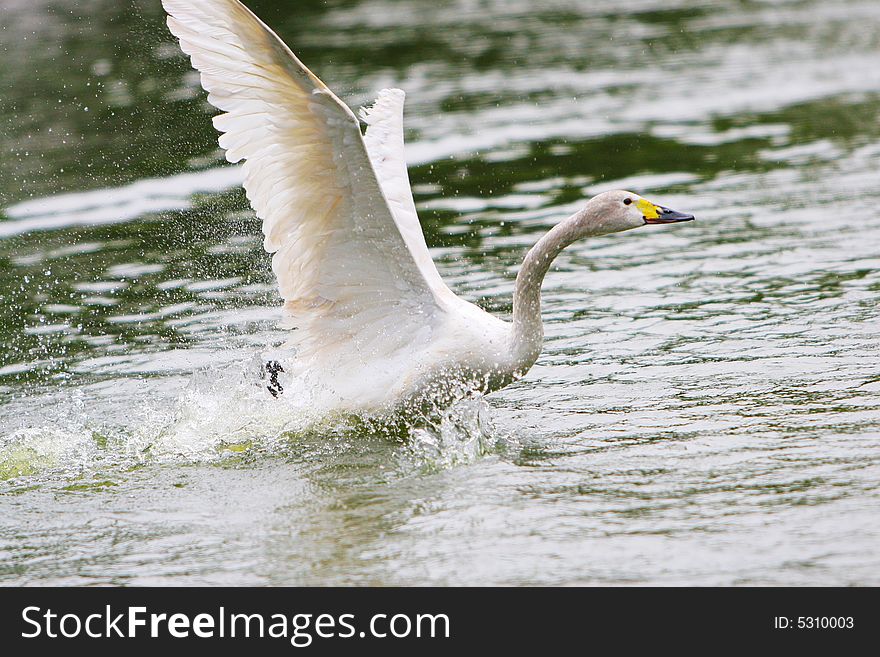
[
  {"x": 226, "y": 412},
  {"x": 463, "y": 434},
  {"x": 27, "y": 452}
]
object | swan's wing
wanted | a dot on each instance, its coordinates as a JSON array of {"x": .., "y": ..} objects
[
  {"x": 384, "y": 142},
  {"x": 346, "y": 272}
]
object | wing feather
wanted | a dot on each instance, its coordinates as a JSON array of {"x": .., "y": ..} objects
[
  {"x": 348, "y": 251},
  {"x": 385, "y": 146}
]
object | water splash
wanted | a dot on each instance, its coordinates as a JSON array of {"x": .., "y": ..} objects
[
  {"x": 36, "y": 450},
  {"x": 463, "y": 433},
  {"x": 225, "y": 413}
]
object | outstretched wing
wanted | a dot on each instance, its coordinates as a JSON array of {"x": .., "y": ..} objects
[
  {"x": 384, "y": 142},
  {"x": 344, "y": 265}
]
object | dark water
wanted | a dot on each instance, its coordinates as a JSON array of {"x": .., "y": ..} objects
[{"x": 707, "y": 409}]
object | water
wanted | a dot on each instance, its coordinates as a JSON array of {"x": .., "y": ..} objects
[{"x": 706, "y": 410}]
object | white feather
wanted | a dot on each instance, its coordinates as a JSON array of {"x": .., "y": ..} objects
[
  {"x": 373, "y": 319},
  {"x": 337, "y": 245}
]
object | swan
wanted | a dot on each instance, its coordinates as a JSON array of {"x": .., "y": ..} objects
[{"x": 372, "y": 323}]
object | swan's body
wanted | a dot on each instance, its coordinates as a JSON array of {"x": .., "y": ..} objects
[{"x": 374, "y": 324}]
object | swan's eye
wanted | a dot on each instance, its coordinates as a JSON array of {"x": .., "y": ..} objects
[{"x": 627, "y": 201}]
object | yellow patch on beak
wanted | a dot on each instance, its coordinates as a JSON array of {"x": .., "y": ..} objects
[{"x": 648, "y": 209}]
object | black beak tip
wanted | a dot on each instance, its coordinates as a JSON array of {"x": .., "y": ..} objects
[{"x": 669, "y": 216}]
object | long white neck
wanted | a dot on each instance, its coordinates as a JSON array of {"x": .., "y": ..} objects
[{"x": 528, "y": 329}]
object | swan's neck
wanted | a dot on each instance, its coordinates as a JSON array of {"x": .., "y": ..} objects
[{"x": 528, "y": 329}]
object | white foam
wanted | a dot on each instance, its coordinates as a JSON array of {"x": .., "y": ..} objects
[{"x": 50, "y": 447}]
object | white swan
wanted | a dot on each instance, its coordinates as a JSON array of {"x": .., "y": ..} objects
[{"x": 374, "y": 324}]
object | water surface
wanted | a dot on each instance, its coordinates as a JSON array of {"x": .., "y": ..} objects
[{"x": 707, "y": 408}]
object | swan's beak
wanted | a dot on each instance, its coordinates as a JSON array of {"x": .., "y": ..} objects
[{"x": 657, "y": 214}]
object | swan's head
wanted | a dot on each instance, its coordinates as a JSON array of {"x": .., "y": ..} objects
[{"x": 612, "y": 212}]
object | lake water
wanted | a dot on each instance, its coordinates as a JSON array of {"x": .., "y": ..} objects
[{"x": 707, "y": 407}]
